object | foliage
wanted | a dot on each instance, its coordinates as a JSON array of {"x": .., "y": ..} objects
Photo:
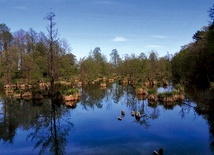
[
  {"x": 179, "y": 88},
  {"x": 36, "y": 91},
  {"x": 115, "y": 58},
  {"x": 195, "y": 61},
  {"x": 34, "y": 56},
  {"x": 71, "y": 91},
  {"x": 27, "y": 53},
  {"x": 152, "y": 90},
  {"x": 1, "y": 84},
  {"x": 211, "y": 14}
]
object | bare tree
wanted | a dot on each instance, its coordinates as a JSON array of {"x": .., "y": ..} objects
[{"x": 52, "y": 38}]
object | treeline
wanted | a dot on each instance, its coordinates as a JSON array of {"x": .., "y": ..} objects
[
  {"x": 25, "y": 55},
  {"x": 29, "y": 56},
  {"x": 195, "y": 61},
  {"x": 130, "y": 66}
]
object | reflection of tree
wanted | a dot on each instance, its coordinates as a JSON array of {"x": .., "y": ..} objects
[
  {"x": 210, "y": 118},
  {"x": 134, "y": 104},
  {"x": 51, "y": 130},
  {"x": 45, "y": 118},
  {"x": 126, "y": 95},
  {"x": 117, "y": 92},
  {"x": 169, "y": 105},
  {"x": 8, "y": 122},
  {"x": 201, "y": 97},
  {"x": 204, "y": 107},
  {"x": 108, "y": 97},
  {"x": 92, "y": 96},
  {"x": 186, "y": 107},
  {"x": 15, "y": 114},
  {"x": 147, "y": 113}
]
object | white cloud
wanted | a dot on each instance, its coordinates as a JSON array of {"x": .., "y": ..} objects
[
  {"x": 159, "y": 36},
  {"x": 119, "y": 39}
]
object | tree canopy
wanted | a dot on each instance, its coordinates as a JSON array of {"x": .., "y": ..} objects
[{"x": 28, "y": 56}]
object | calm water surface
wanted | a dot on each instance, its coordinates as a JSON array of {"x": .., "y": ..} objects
[{"x": 92, "y": 126}]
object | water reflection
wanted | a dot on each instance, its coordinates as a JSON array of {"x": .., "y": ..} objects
[
  {"x": 44, "y": 118},
  {"x": 51, "y": 131},
  {"x": 92, "y": 96},
  {"x": 8, "y": 121},
  {"x": 49, "y": 124},
  {"x": 205, "y": 107},
  {"x": 120, "y": 94}
]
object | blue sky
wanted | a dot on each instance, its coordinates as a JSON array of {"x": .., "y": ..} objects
[{"x": 130, "y": 26}]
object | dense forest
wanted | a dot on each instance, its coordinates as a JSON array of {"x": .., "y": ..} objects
[
  {"x": 195, "y": 61},
  {"x": 30, "y": 57}
]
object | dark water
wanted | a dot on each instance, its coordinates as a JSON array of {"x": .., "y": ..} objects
[{"x": 92, "y": 126}]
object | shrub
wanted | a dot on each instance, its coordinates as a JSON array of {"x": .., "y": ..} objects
[
  {"x": 71, "y": 91},
  {"x": 179, "y": 88},
  {"x": 152, "y": 91},
  {"x": 1, "y": 84}
]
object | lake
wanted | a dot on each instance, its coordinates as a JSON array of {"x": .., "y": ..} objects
[{"x": 91, "y": 125}]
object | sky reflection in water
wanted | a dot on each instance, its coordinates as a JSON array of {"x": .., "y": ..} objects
[{"x": 94, "y": 128}]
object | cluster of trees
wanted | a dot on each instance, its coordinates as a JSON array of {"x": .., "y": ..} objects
[
  {"x": 27, "y": 56},
  {"x": 131, "y": 66},
  {"x": 31, "y": 55},
  {"x": 195, "y": 61}
]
